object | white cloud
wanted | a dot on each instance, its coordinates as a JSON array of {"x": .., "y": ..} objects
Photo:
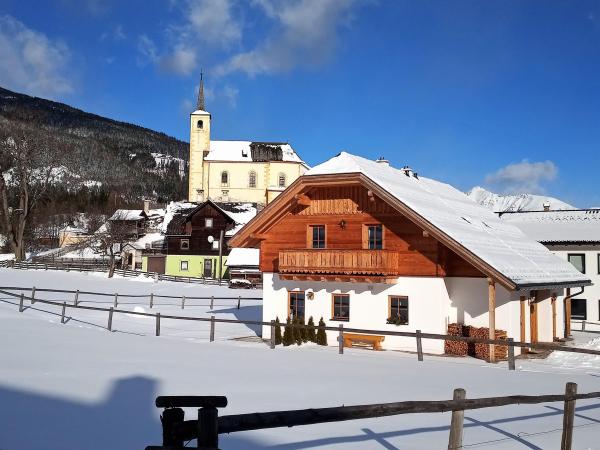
[
  {"x": 182, "y": 61},
  {"x": 212, "y": 21},
  {"x": 231, "y": 94},
  {"x": 115, "y": 34},
  {"x": 31, "y": 61},
  {"x": 523, "y": 177},
  {"x": 147, "y": 51}
]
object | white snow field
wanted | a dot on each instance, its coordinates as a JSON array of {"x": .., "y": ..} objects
[{"x": 78, "y": 386}]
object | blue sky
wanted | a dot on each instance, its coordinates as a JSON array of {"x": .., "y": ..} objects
[{"x": 498, "y": 93}]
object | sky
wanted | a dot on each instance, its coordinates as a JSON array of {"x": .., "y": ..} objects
[{"x": 502, "y": 94}]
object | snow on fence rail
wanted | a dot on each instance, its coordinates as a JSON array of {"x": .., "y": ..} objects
[
  {"x": 418, "y": 335},
  {"x": 208, "y": 426}
]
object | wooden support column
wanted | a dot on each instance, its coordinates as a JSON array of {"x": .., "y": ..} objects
[
  {"x": 492, "y": 316},
  {"x": 553, "y": 302},
  {"x": 533, "y": 317},
  {"x": 568, "y": 314},
  {"x": 522, "y": 302}
]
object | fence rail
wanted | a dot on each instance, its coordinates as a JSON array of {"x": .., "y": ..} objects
[{"x": 209, "y": 425}]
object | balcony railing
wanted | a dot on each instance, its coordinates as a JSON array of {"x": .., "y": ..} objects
[{"x": 339, "y": 261}]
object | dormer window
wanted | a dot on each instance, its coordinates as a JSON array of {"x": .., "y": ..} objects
[{"x": 200, "y": 124}]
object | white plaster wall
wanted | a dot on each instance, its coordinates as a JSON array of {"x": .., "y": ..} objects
[{"x": 428, "y": 300}]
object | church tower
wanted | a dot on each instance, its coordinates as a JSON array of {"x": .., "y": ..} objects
[{"x": 199, "y": 148}]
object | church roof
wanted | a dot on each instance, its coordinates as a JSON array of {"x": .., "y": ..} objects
[{"x": 248, "y": 151}]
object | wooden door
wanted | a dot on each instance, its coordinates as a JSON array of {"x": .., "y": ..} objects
[
  {"x": 156, "y": 264},
  {"x": 208, "y": 270}
]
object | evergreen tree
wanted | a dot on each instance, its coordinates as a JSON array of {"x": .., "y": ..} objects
[
  {"x": 311, "y": 334},
  {"x": 321, "y": 334},
  {"x": 297, "y": 331},
  {"x": 288, "y": 333},
  {"x": 278, "y": 339}
]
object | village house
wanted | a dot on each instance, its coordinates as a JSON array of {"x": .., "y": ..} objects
[
  {"x": 237, "y": 171},
  {"x": 572, "y": 235},
  {"x": 366, "y": 245}
]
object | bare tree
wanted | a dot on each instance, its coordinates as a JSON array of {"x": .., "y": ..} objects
[{"x": 27, "y": 167}]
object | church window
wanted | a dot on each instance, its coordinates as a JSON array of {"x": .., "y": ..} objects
[
  {"x": 200, "y": 124},
  {"x": 281, "y": 180},
  {"x": 252, "y": 179},
  {"x": 224, "y": 178}
]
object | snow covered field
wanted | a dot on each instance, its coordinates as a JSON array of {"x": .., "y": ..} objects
[{"x": 77, "y": 385}]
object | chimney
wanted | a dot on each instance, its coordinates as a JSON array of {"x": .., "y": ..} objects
[
  {"x": 146, "y": 206},
  {"x": 407, "y": 171},
  {"x": 382, "y": 160},
  {"x": 546, "y": 206}
]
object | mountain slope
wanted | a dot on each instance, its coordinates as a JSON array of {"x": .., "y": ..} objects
[
  {"x": 520, "y": 202},
  {"x": 120, "y": 159}
]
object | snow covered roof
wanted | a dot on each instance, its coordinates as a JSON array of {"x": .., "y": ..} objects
[
  {"x": 128, "y": 214},
  {"x": 568, "y": 226},
  {"x": 240, "y": 151},
  {"x": 500, "y": 245},
  {"x": 517, "y": 203},
  {"x": 243, "y": 257},
  {"x": 199, "y": 111},
  {"x": 240, "y": 213},
  {"x": 150, "y": 238}
]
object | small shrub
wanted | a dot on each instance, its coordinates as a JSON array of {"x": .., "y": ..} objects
[
  {"x": 288, "y": 333},
  {"x": 321, "y": 334},
  {"x": 278, "y": 338},
  {"x": 310, "y": 331}
]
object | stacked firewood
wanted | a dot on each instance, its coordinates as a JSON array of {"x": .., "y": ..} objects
[{"x": 481, "y": 351}]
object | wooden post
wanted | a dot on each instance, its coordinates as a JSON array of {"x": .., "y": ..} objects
[
  {"x": 33, "y": 295},
  {"x": 239, "y": 301},
  {"x": 183, "y": 302},
  {"x": 568, "y": 314},
  {"x": 419, "y": 346},
  {"x": 212, "y": 328},
  {"x": 221, "y": 236},
  {"x": 272, "y": 334},
  {"x": 533, "y": 318},
  {"x": 583, "y": 325},
  {"x": 511, "y": 354},
  {"x": 158, "y": 323},
  {"x": 76, "y": 300},
  {"x": 21, "y": 307},
  {"x": 110, "y": 316},
  {"x": 568, "y": 417},
  {"x": 208, "y": 428},
  {"x": 341, "y": 339},
  {"x": 523, "y": 337},
  {"x": 151, "y": 299},
  {"x": 456, "y": 423},
  {"x": 553, "y": 301},
  {"x": 64, "y": 309},
  {"x": 492, "y": 317},
  {"x": 170, "y": 418},
  {"x": 212, "y": 301},
  {"x": 116, "y": 299}
]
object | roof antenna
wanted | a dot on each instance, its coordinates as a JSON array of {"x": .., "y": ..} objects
[{"x": 200, "y": 104}]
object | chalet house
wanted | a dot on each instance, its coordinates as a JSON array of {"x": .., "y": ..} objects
[
  {"x": 366, "y": 245},
  {"x": 572, "y": 235},
  {"x": 243, "y": 266},
  {"x": 129, "y": 222},
  {"x": 192, "y": 238}
]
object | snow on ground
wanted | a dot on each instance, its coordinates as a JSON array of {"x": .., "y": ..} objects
[{"x": 77, "y": 385}]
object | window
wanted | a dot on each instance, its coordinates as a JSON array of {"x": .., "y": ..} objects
[
  {"x": 579, "y": 309},
  {"x": 183, "y": 265},
  {"x": 184, "y": 244},
  {"x": 199, "y": 124},
  {"x": 317, "y": 236},
  {"x": 281, "y": 180},
  {"x": 215, "y": 244},
  {"x": 296, "y": 305},
  {"x": 578, "y": 260},
  {"x": 398, "y": 310},
  {"x": 341, "y": 307},
  {"x": 224, "y": 178},
  {"x": 252, "y": 179},
  {"x": 374, "y": 237},
  {"x": 208, "y": 222}
]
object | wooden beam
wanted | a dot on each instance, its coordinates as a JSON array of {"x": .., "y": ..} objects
[
  {"x": 568, "y": 314},
  {"x": 533, "y": 318},
  {"x": 492, "y": 316},
  {"x": 258, "y": 237},
  {"x": 522, "y": 302},
  {"x": 553, "y": 301},
  {"x": 302, "y": 199}
]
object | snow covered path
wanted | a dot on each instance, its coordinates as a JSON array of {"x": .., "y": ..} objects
[{"x": 77, "y": 386}]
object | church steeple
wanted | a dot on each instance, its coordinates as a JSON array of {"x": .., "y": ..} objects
[{"x": 200, "y": 104}]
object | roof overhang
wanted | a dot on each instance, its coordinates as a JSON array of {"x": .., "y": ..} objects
[{"x": 550, "y": 286}]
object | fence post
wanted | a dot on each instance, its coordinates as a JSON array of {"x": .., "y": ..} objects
[
  {"x": 151, "y": 299},
  {"x": 183, "y": 302},
  {"x": 511, "y": 354},
  {"x": 116, "y": 299},
  {"x": 208, "y": 428},
  {"x": 33, "y": 295},
  {"x": 568, "y": 417},
  {"x": 239, "y": 301},
  {"x": 21, "y": 307},
  {"x": 419, "y": 346},
  {"x": 110, "y": 316},
  {"x": 341, "y": 339},
  {"x": 76, "y": 301},
  {"x": 212, "y": 328},
  {"x": 170, "y": 418},
  {"x": 158, "y": 323},
  {"x": 583, "y": 325},
  {"x": 212, "y": 301},
  {"x": 272, "y": 334},
  {"x": 64, "y": 309},
  {"x": 456, "y": 423}
]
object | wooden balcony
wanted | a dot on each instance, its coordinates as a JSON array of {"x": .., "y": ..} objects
[{"x": 339, "y": 264}]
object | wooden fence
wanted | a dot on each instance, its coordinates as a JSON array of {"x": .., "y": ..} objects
[
  {"x": 208, "y": 426},
  {"x": 418, "y": 335}
]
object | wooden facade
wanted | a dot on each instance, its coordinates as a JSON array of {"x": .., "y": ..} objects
[{"x": 346, "y": 212}]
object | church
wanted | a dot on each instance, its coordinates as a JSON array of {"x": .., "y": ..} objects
[{"x": 237, "y": 171}]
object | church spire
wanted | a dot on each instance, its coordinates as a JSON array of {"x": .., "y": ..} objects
[{"x": 200, "y": 104}]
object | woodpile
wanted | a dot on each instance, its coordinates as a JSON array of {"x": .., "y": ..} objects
[{"x": 480, "y": 351}]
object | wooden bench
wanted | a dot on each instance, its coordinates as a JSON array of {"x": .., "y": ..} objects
[{"x": 364, "y": 339}]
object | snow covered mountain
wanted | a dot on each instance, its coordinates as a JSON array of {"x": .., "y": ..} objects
[{"x": 519, "y": 202}]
